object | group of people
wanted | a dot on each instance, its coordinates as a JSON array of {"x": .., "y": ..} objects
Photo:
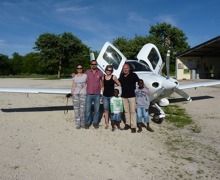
[{"x": 86, "y": 91}]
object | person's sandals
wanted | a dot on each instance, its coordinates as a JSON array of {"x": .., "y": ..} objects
[{"x": 106, "y": 127}]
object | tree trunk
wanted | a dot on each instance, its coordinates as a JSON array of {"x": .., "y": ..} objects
[{"x": 59, "y": 70}]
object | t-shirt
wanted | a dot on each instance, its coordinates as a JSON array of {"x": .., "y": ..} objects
[
  {"x": 128, "y": 85},
  {"x": 93, "y": 81},
  {"x": 80, "y": 84},
  {"x": 142, "y": 99},
  {"x": 116, "y": 105}
]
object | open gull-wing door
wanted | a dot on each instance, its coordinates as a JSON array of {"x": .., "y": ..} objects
[
  {"x": 150, "y": 55},
  {"x": 110, "y": 55}
]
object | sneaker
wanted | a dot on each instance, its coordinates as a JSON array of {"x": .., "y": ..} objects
[
  {"x": 149, "y": 129},
  {"x": 113, "y": 129},
  {"x": 133, "y": 130},
  {"x": 96, "y": 126},
  {"x": 78, "y": 127},
  {"x": 86, "y": 127},
  {"x": 126, "y": 127},
  {"x": 139, "y": 130}
]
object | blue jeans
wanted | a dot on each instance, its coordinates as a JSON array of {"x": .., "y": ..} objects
[
  {"x": 142, "y": 113},
  {"x": 90, "y": 99}
]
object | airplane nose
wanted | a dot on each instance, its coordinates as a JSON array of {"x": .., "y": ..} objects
[{"x": 169, "y": 84}]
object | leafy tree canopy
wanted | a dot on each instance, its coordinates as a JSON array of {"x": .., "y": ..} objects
[{"x": 60, "y": 50}]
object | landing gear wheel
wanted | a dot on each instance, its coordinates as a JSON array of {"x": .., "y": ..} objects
[{"x": 156, "y": 119}]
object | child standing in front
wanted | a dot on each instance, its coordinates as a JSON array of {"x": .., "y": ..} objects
[
  {"x": 142, "y": 105},
  {"x": 116, "y": 108}
]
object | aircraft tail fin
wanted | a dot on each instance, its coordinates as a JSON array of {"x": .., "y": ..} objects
[{"x": 92, "y": 56}]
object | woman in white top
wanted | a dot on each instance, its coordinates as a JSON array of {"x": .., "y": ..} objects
[{"x": 78, "y": 92}]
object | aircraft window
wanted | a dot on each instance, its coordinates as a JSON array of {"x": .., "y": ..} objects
[
  {"x": 137, "y": 66},
  {"x": 144, "y": 62},
  {"x": 153, "y": 57},
  {"x": 112, "y": 57}
]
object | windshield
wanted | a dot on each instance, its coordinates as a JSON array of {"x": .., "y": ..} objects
[{"x": 137, "y": 66}]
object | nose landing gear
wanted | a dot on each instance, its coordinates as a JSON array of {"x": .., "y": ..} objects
[{"x": 158, "y": 113}]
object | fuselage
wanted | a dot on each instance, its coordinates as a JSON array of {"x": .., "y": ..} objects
[{"x": 160, "y": 86}]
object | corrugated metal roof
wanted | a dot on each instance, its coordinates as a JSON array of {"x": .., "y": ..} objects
[{"x": 209, "y": 48}]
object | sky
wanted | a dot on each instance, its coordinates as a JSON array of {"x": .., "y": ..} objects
[{"x": 95, "y": 21}]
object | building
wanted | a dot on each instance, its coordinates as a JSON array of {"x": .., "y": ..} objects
[{"x": 200, "y": 62}]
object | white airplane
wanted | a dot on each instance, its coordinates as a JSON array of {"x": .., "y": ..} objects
[{"x": 147, "y": 67}]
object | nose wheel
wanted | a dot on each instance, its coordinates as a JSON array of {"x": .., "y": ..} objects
[{"x": 157, "y": 119}]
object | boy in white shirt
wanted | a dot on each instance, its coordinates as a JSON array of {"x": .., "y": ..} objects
[{"x": 116, "y": 108}]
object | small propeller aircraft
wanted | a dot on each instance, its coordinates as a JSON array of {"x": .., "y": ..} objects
[{"x": 148, "y": 67}]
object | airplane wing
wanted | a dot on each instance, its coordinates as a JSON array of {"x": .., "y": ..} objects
[
  {"x": 198, "y": 84},
  {"x": 36, "y": 90}
]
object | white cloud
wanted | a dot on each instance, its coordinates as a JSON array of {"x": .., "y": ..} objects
[
  {"x": 132, "y": 16},
  {"x": 2, "y": 43},
  {"x": 73, "y": 9}
]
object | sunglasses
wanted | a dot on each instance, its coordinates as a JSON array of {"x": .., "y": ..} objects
[
  {"x": 93, "y": 64},
  {"x": 79, "y": 68},
  {"x": 108, "y": 69}
]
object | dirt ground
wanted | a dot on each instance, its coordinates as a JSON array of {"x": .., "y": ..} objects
[{"x": 38, "y": 140}]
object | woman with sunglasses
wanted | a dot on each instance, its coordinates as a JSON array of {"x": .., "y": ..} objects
[
  {"x": 109, "y": 81},
  {"x": 78, "y": 92}
]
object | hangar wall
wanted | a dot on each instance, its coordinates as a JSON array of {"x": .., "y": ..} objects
[{"x": 197, "y": 68}]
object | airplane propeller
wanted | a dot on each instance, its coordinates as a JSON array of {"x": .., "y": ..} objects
[
  {"x": 178, "y": 91},
  {"x": 183, "y": 94}
]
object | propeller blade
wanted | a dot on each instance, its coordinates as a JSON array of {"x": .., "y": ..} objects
[
  {"x": 183, "y": 94},
  {"x": 156, "y": 94}
]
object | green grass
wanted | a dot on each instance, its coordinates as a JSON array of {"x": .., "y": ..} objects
[{"x": 177, "y": 116}]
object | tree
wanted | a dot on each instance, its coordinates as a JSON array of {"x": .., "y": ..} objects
[
  {"x": 60, "y": 50},
  {"x": 131, "y": 47},
  {"x": 5, "y": 65},
  {"x": 169, "y": 37},
  {"x": 17, "y": 63},
  {"x": 163, "y": 35},
  {"x": 31, "y": 64}
]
